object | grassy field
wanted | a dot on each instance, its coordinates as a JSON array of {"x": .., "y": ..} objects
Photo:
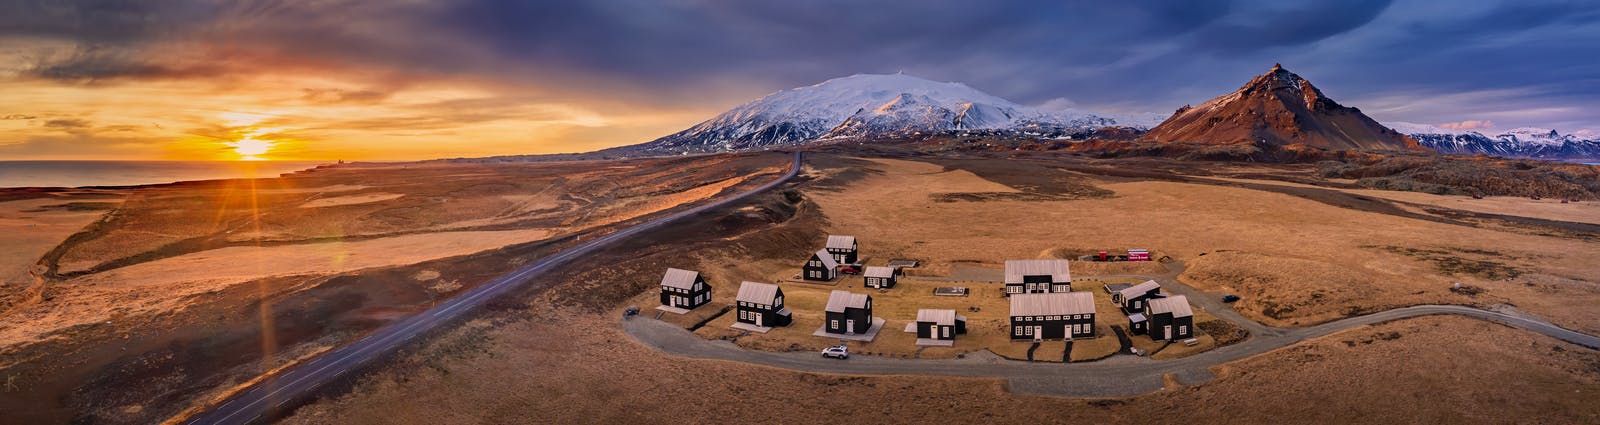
[{"x": 551, "y": 362}]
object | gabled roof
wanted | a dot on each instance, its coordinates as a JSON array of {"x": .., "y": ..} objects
[
  {"x": 1140, "y": 289},
  {"x": 679, "y": 278},
  {"x": 938, "y": 316},
  {"x": 1058, "y": 270},
  {"x": 840, "y": 300},
  {"x": 1177, "y": 305},
  {"x": 827, "y": 259},
  {"x": 841, "y": 242},
  {"x": 878, "y": 271},
  {"x": 1052, "y": 304},
  {"x": 757, "y": 292}
]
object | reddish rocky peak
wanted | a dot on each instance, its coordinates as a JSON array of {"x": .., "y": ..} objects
[{"x": 1281, "y": 108}]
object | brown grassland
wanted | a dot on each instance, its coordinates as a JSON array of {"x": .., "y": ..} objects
[
  {"x": 1297, "y": 258},
  {"x": 213, "y": 283}
]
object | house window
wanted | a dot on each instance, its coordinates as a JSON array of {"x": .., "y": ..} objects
[
  {"x": 1183, "y": 330},
  {"x": 1016, "y": 330},
  {"x": 833, "y": 324},
  {"x": 1028, "y": 329}
]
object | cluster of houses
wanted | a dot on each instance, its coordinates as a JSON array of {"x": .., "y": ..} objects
[{"x": 1043, "y": 304}]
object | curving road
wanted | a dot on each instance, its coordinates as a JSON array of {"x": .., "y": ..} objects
[
  {"x": 1117, "y": 376},
  {"x": 270, "y": 396}
]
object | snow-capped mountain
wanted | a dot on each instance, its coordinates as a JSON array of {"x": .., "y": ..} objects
[
  {"x": 864, "y": 106},
  {"x": 1540, "y": 143}
]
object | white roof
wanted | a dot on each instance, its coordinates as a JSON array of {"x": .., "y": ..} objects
[
  {"x": 841, "y": 242},
  {"x": 679, "y": 278},
  {"x": 1052, "y": 304},
  {"x": 1058, "y": 270},
  {"x": 840, "y": 300},
  {"x": 757, "y": 292},
  {"x": 1140, "y": 289},
  {"x": 1136, "y": 317},
  {"x": 937, "y": 316},
  {"x": 878, "y": 271},
  {"x": 827, "y": 259},
  {"x": 1177, "y": 305}
]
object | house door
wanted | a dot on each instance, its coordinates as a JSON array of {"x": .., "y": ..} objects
[
  {"x": 1038, "y": 333},
  {"x": 758, "y": 318},
  {"x": 850, "y": 326},
  {"x": 1166, "y": 332}
]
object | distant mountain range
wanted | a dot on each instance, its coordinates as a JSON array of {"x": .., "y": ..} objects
[
  {"x": 1539, "y": 143},
  {"x": 1278, "y": 108},
  {"x": 873, "y": 106}
]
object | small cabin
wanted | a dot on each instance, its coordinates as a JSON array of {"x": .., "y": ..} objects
[
  {"x": 843, "y": 248},
  {"x": 820, "y": 267},
  {"x": 685, "y": 289},
  {"x": 1132, "y": 298},
  {"x": 1052, "y": 316},
  {"x": 879, "y": 277},
  {"x": 761, "y": 304},
  {"x": 1042, "y": 276},
  {"x": 941, "y": 325},
  {"x": 1170, "y": 318},
  {"x": 848, "y": 313}
]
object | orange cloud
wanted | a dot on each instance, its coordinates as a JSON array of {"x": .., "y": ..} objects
[{"x": 1469, "y": 125}]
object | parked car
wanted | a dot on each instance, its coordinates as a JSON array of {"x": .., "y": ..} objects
[
  {"x": 1230, "y": 298},
  {"x": 630, "y": 312},
  {"x": 837, "y": 352},
  {"x": 849, "y": 269}
]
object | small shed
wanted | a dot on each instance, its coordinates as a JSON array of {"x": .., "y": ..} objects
[
  {"x": 879, "y": 277},
  {"x": 843, "y": 248},
  {"x": 820, "y": 267},
  {"x": 761, "y": 304},
  {"x": 1170, "y": 318},
  {"x": 1051, "y": 316},
  {"x": 940, "y": 324},
  {"x": 1132, "y": 298},
  {"x": 685, "y": 289},
  {"x": 848, "y": 313},
  {"x": 1038, "y": 276}
]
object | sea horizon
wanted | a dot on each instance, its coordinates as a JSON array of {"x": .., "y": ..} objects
[{"x": 85, "y": 173}]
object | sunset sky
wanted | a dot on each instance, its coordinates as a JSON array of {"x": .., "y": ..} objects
[{"x": 415, "y": 79}]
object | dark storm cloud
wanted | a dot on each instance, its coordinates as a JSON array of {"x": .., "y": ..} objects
[{"x": 1127, "y": 56}]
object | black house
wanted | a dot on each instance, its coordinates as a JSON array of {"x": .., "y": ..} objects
[
  {"x": 821, "y": 266},
  {"x": 843, "y": 248},
  {"x": 940, "y": 324},
  {"x": 761, "y": 304},
  {"x": 848, "y": 313},
  {"x": 878, "y": 277},
  {"x": 1038, "y": 276},
  {"x": 1131, "y": 299},
  {"x": 684, "y": 289},
  {"x": 1063, "y": 315},
  {"x": 1170, "y": 318}
]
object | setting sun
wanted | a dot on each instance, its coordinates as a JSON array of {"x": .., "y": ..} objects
[{"x": 248, "y": 148}]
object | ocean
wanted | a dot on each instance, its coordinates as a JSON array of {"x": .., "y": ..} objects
[{"x": 128, "y": 173}]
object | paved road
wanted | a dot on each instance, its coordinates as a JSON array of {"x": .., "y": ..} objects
[
  {"x": 270, "y": 396},
  {"x": 1113, "y": 377}
]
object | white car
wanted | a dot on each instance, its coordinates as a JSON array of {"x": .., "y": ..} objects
[{"x": 837, "y": 352}]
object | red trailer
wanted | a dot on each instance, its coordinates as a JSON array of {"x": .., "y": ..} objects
[{"x": 1138, "y": 255}]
